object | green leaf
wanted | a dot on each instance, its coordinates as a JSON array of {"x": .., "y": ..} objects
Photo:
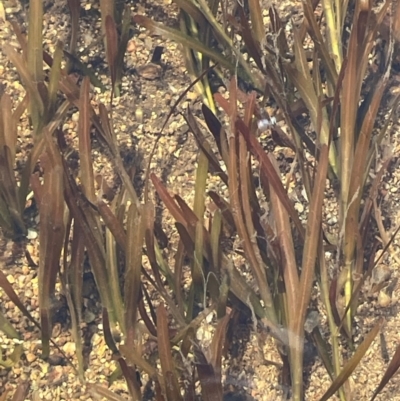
[{"x": 352, "y": 363}]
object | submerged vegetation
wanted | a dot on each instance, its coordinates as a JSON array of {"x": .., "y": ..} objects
[{"x": 316, "y": 71}]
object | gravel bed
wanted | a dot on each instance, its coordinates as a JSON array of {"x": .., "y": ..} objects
[{"x": 139, "y": 115}]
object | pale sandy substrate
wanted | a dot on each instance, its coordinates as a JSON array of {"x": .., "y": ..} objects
[{"x": 177, "y": 155}]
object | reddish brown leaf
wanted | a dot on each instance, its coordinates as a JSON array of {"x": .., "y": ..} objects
[
  {"x": 143, "y": 314},
  {"x": 74, "y": 8},
  {"x": 268, "y": 169},
  {"x": 21, "y": 392},
  {"x": 112, "y": 45},
  {"x": 225, "y": 209},
  {"x": 98, "y": 391},
  {"x": 389, "y": 373},
  {"x": 215, "y": 127},
  {"x": 135, "y": 239},
  {"x": 89, "y": 224},
  {"x": 86, "y": 163},
  {"x": 332, "y": 301},
  {"x": 217, "y": 344},
  {"x": 168, "y": 200},
  {"x": 215, "y": 167},
  {"x": 211, "y": 386},
  {"x": 167, "y": 364},
  {"x": 188, "y": 213},
  {"x": 252, "y": 43},
  {"x": 7, "y": 288},
  {"x": 51, "y": 236},
  {"x": 112, "y": 223}
]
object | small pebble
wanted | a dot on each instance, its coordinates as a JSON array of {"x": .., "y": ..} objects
[
  {"x": 30, "y": 249},
  {"x": 384, "y": 299},
  {"x": 21, "y": 280},
  {"x": 30, "y": 357},
  {"x": 32, "y": 234},
  {"x": 17, "y": 371},
  {"x": 56, "y": 330},
  {"x": 88, "y": 316},
  {"x": 56, "y": 360},
  {"x": 299, "y": 207},
  {"x": 131, "y": 46},
  {"x": 381, "y": 273},
  {"x": 69, "y": 348},
  {"x": 96, "y": 339},
  {"x": 75, "y": 117}
]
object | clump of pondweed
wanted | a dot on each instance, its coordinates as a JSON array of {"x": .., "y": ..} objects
[
  {"x": 212, "y": 272},
  {"x": 336, "y": 107},
  {"x": 11, "y": 209},
  {"x": 75, "y": 223}
]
